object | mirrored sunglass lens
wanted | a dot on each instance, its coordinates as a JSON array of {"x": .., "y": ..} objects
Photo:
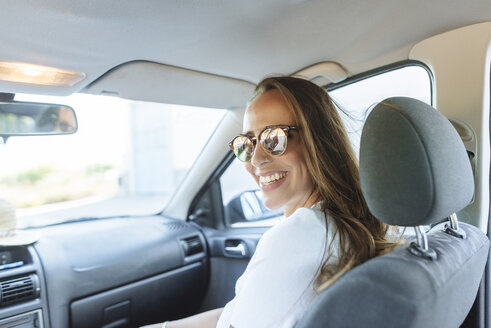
[
  {"x": 274, "y": 140},
  {"x": 243, "y": 148}
]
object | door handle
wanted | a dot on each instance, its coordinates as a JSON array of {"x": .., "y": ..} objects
[{"x": 237, "y": 250}]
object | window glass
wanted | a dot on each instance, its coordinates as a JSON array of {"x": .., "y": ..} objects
[
  {"x": 241, "y": 196},
  {"x": 126, "y": 158},
  {"x": 355, "y": 100}
]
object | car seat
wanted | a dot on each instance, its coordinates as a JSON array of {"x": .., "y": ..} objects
[{"x": 414, "y": 171}]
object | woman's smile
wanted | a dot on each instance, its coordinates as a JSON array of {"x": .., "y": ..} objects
[{"x": 271, "y": 180}]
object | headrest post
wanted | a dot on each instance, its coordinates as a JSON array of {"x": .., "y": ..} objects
[
  {"x": 454, "y": 223},
  {"x": 452, "y": 227},
  {"x": 420, "y": 247},
  {"x": 421, "y": 239}
]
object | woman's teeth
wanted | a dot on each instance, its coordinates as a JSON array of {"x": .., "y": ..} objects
[{"x": 265, "y": 180}]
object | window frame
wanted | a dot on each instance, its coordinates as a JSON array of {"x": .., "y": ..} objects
[{"x": 382, "y": 70}]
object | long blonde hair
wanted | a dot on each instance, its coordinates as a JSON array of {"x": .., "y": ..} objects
[{"x": 334, "y": 171}]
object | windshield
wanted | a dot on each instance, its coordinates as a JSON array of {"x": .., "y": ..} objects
[{"x": 126, "y": 158}]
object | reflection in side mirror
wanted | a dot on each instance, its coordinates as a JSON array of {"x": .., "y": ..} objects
[
  {"x": 251, "y": 206},
  {"x": 33, "y": 119}
]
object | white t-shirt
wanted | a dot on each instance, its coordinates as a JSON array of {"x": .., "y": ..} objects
[{"x": 278, "y": 283}]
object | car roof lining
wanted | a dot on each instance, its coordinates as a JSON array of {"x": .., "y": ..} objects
[{"x": 239, "y": 41}]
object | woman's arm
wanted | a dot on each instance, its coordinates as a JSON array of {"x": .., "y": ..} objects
[{"x": 206, "y": 319}]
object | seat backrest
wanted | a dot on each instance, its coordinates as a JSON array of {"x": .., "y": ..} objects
[{"x": 414, "y": 171}]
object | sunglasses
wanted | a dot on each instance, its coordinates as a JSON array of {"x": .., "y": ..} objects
[{"x": 273, "y": 139}]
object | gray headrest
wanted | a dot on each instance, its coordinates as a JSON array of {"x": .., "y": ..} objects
[{"x": 414, "y": 168}]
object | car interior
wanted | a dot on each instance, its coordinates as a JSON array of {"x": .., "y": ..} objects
[{"x": 412, "y": 80}]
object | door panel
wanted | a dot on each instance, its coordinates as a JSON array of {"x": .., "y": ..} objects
[{"x": 226, "y": 266}]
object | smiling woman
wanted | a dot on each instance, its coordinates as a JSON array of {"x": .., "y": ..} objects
[
  {"x": 315, "y": 180},
  {"x": 126, "y": 158}
]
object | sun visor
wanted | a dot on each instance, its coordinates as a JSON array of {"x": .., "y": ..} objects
[{"x": 148, "y": 81}]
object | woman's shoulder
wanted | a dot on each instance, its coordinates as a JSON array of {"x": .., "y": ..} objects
[
  {"x": 304, "y": 219},
  {"x": 305, "y": 225}
]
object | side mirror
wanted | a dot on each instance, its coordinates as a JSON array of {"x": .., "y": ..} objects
[
  {"x": 18, "y": 118},
  {"x": 248, "y": 206}
]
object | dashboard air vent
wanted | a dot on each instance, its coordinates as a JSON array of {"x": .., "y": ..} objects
[
  {"x": 19, "y": 289},
  {"x": 192, "y": 245}
]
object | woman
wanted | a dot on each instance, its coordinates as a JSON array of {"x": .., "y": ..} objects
[{"x": 296, "y": 148}]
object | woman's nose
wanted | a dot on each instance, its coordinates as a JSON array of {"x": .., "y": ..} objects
[{"x": 260, "y": 156}]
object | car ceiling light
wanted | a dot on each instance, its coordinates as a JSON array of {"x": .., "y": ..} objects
[{"x": 37, "y": 74}]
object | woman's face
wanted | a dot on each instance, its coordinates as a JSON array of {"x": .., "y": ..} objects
[{"x": 294, "y": 188}]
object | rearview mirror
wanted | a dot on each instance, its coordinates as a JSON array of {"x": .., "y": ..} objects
[{"x": 33, "y": 119}]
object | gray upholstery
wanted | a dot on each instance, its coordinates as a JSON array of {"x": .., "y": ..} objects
[
  {"x": 402, "y": 290},
  {"x": 414, "y": 168}
]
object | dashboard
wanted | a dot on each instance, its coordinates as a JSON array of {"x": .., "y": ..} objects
[{"x": 121, "y": 272}]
